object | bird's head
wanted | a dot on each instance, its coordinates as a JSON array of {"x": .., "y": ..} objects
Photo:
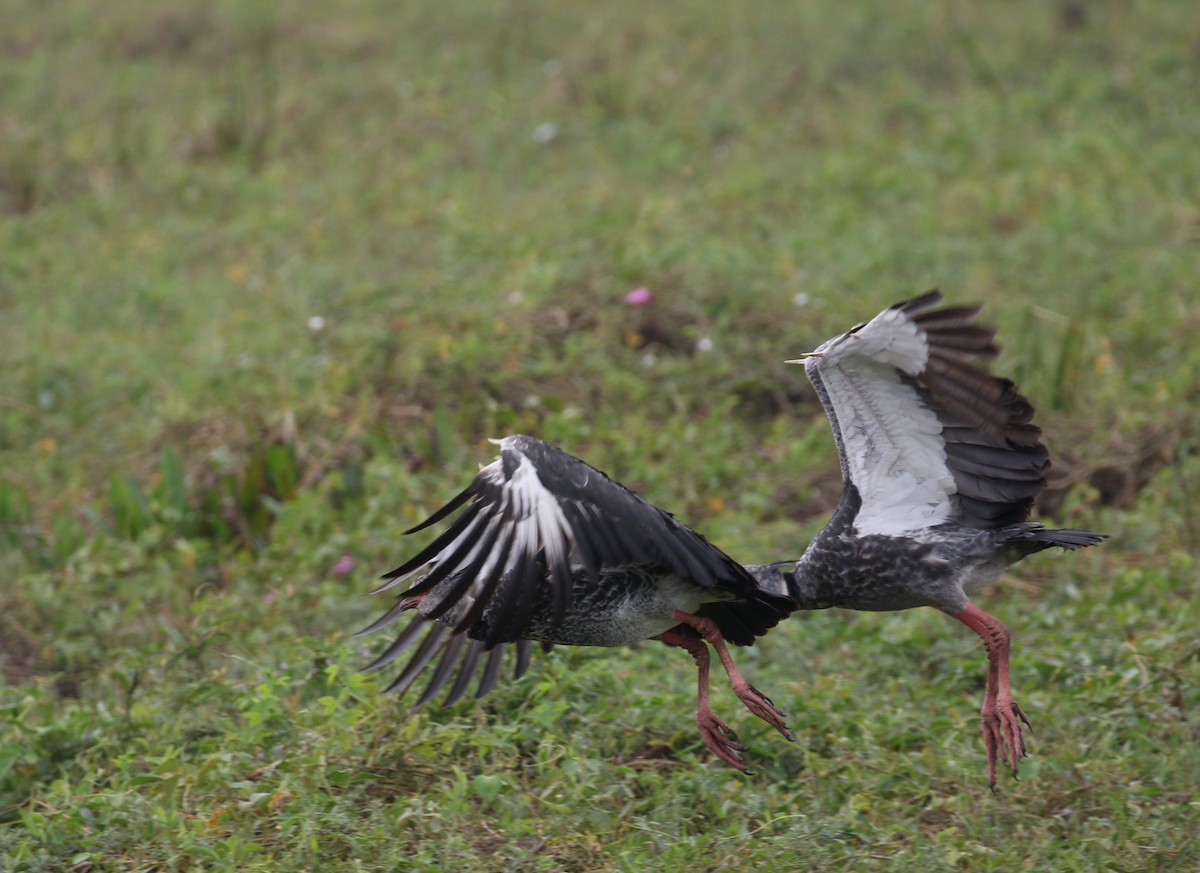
[
  {"x": 829, "y": 348},
  {"x": 890, "y": 338}
]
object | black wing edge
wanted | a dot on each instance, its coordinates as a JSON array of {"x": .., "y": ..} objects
[
  {"x": 993, "y": 448},
  {"x": 921, "y": 302},
  {"x": 458, "y": 658},
  {"x": 477, "y": 531}
]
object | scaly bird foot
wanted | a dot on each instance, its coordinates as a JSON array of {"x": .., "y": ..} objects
[
  {"x": 721, "y": 739},
  {"x": 1002, "y": 737},
  {"x": 762, "y": 706}
]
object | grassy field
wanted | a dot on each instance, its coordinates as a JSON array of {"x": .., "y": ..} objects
[{"x": 271, "y": 273}]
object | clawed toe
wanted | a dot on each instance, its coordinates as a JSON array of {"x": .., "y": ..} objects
[
  {"x": 1003, "y": 739},
  {"x": 763, "y": 707},
  {"x": 768, "y": 701},
  {"x": 1021, "y": 715},
  {"x": 723, "y": 741}
]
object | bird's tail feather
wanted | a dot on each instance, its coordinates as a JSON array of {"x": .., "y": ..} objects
[
  {"x": 1034, "y": 537},
  {"x": 1068, "y": 537}
]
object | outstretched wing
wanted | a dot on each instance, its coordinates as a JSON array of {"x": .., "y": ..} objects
[
  {"x": 460, "y": 656},
  {"x": 535, "y": 523},
  {"x": 925, "y": 434}
]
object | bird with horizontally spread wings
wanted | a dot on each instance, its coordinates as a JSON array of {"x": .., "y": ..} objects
[
  {"x": 548, "y": 549},
  {"x": 940, "y": 465}
]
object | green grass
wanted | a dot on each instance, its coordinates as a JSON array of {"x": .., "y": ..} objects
[{"x": 464, "y": 193}]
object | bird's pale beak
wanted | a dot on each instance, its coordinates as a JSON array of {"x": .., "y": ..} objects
[{"x": 804, "y": 357}]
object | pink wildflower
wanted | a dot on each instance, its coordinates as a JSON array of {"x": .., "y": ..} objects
[{"x": 639, "y": 297}]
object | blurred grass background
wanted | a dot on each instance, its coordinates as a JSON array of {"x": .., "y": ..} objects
[{"x": 270, "y": 273}]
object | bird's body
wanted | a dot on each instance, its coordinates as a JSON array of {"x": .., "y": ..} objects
[
  {"x": 940, "y": 465},
  {"x": 942, "y": 567},
  {"x": 625, "y": 605}
]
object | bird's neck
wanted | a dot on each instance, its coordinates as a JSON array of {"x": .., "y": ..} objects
[
  {"x": 810, "y": 590},
  {"x": 814, "y": 581},
  {"x": 795, "y": 581}
]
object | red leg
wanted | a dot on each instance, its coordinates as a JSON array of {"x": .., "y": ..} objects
[
  {"x": 717, "y": 735},
  {"x": 1001, "y": 716},
  {"x": 755, "y": 701}
]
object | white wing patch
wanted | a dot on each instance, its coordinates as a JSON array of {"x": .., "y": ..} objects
[
  {"x": 534, "y": 518},
  {"x": 894, "y": 452},
  {"x": 539, "y": 519},
  {"x": 528, "y": 517}
]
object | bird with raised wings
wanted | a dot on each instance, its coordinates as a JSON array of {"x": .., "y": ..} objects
[
  {"x": 549, "y": 549},
  {"x": 940, "y": 466},
  {"x": 941, "y": 463}
]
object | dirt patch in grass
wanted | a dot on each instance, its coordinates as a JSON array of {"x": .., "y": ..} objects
[
  {"x": 1124, "y": 466},
  {"x": 17, "y": 647}
]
